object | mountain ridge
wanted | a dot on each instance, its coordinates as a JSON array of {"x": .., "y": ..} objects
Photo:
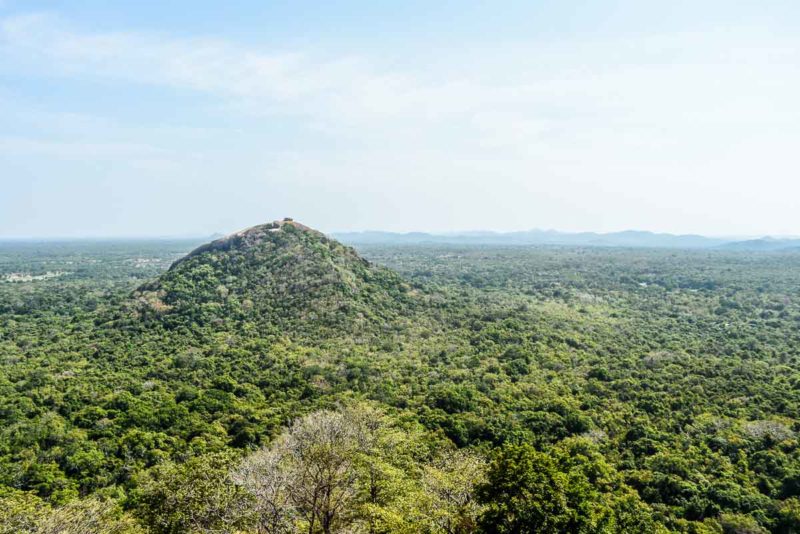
[
  {"x": 765, "y": 244},
  {"x": 633, "y": 238},
  {"x": 536, "y": 237}
]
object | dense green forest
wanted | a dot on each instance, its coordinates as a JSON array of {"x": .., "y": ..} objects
[{"x": 276, "y": 381}]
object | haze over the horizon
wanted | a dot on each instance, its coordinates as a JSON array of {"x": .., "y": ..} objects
[{"x": 190, "y": 118}]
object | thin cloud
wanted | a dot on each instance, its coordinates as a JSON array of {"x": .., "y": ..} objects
[{"x": 348, "y": 89}]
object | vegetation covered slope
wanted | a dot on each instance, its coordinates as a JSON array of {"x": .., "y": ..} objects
[
  {"x": 282, "y": 273},
  {"x": 586, "y": 390}
]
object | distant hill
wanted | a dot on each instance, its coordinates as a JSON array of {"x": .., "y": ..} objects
[
  {"x": 537, "y": 237},
  {"x": 279, "y": 273},
  {"x": 767, "y": 244}
]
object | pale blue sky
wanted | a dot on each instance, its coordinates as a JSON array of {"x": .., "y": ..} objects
[{"x": 193, "y": 117}]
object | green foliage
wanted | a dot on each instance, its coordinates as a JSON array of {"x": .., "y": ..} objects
[
  {"x": 357, "y": 469},
  {"x": 194, "y": 496},
  {"x": 24, "y": 513},
  {"x": 570, "y": 488},
  {"x": 648, "y": 389},
  {"x": 524, "y": 493},
  {"x": 740, "y": 524}
]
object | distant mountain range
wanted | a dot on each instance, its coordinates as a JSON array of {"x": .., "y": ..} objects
[
  {"x": 766, "y": 244},
  {"x": 630, "y": 238}
]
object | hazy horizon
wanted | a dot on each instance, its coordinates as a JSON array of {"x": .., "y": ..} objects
[
  {"x": 334, "y": 231},
  {"x": 194, "y": 118}
]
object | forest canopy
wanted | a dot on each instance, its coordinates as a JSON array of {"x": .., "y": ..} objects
[{"x": 277, "y": 381}]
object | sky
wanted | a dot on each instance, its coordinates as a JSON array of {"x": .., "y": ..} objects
[{"x": 188, "y": 118}]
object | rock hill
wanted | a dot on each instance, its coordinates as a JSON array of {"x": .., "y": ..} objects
[{"x": 279, "y": 273}]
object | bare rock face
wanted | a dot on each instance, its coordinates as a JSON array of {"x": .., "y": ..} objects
[{"x": 279, "y": 273}]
